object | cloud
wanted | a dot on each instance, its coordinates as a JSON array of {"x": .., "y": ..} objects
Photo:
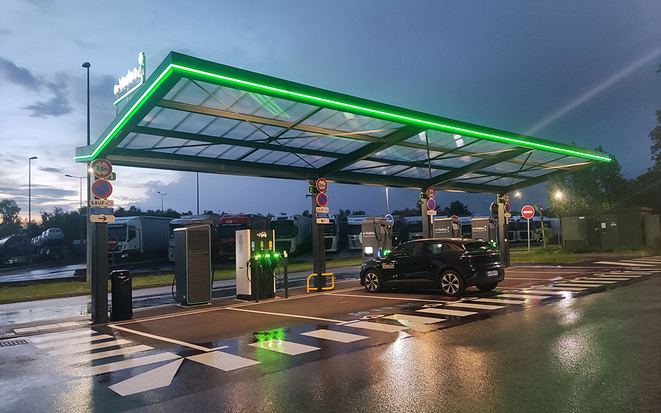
[
  {"x": 57, "y": 106},
  {"x": 19, "y": 75},
  {"x": 52, "y": 169},
  {"x": 6, "y": 32}
]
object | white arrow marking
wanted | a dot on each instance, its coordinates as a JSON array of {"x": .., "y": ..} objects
[{"x": 153, "y": 379}]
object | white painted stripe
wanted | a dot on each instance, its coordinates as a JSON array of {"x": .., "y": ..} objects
[
  {"x": 604, "y": 278},
  {"x": 621, "y": 275},
  {"x": 223, "y": 361},
  {"x": 160, "y": 338},
  {"x": 576, "y": 284},
  {"x": 74, "y": 341},
  {"x": 545, "y": 292},
  {"x": 284, "y": 347},
  {"x": 447, "y": 312},
  {"x": 382, "y": 297},
  {"x": 624, "y": 264},
  {"x": 153, "y": 379},
  {"x": 499, "y": 301},
  {"x": 62, "y": 336},
  {"x": 127, "y": 364},
  {"x": 69, "y": 324},
  {"x": 285, "y": 315},
  {"x": 643, "y": 262},
  {"x": 47, "y": 327},
  {"x": 476, "y": 306},
  {"x": 88, "y": 347},
  {"x": 596, "y": 280},
  {"x": 414, "y": 319},
  {"x": 334, "y": 336},
  {"x": 524, "y": 296},
  {"x": 25, "y": 330},
  {"x": 369, "y": 325},
  {"x": 568, "y": 289},
  {"x": 110, "y": 353}
]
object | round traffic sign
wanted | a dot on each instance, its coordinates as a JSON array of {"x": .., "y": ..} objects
[
  {"x": 431, "y": 192},
  {"x": 454, "y": 217},
  {"x": 390, "y": 219},
  {"x": 431, "y": 204},
  {"x": 322, "y": 185},
  {"x": 506, "y": 198},
  {"x": 322, "y": 199},
  {"x": 508, "y": 208},
  {"x": 528, "y": 212},
  {"x": 102, "y": 188},
  {"x": 113, "y": 242},
  {"x": 101, "y": 168}
]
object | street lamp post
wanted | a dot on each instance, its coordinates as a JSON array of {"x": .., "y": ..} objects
[
  {"x": 162, "y": 195},
  {"x": 30, "y": 192}
]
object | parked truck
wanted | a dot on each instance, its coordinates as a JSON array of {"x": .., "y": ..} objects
[
  {"x": 354, "y": 229},
  {"x": 293, "y": 233},
  {"x": 332, "y": 235},
  {"x": 229, "y": 224},
  {"x": 140, "y": 236}
]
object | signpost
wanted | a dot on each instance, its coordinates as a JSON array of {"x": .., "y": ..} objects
[
  {"x": 322, "y": 199},
  {"x": 322, "y": 185},
  {"x": 102, "y": 189},
  {"x": 101, "y": 168},
  {"x": 528, "y": 212}
]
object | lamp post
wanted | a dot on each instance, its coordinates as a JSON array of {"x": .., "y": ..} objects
[
  {"x": 162, "y": 195},
  {"x": 80, "y": 178},
  {"x": 88, "y": 250},
  {"x": 30, "y": 192}
]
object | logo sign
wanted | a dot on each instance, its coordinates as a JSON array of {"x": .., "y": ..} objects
[
  {"x": 102, "y": 188},
  {"x": 101, "y": 211},
  {"x": 101, "y": 168},
  {"x": 102, "y": 203},
  {"x": 322, "y": 199},
  {"x": 262, "y": 234},
  {"x": 323, "y": 221},
  {"x": 131, "y": 81},
  {"x": 431, "y": 192},
  {"x": 322, "y": 185},
  {"x": 528, "y": 212},
  {"x": 113, "y": 242},
  {"x": 102, "y": 218},
  {"x": 390, "y": 219},
  {"x": 321, "y": 210},
  {"x": 431, "y": 204}
]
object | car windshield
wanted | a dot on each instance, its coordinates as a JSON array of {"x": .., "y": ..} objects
[{"x": 478, "y": 247}]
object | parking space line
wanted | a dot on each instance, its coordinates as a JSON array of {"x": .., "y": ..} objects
[
  {"x": 334, "y": 336},
  {"x": 160, "y": 338},
  {"x": 87, "y": 347},
  {"x": 476, "y": 306},
  {"x": 446, "y": 312},
  {"x": 330, "y": 320},
  {"x": 223, "y": 361},
  {"x": 285, "y": 347},
  {"x": 414, "y": 318}
]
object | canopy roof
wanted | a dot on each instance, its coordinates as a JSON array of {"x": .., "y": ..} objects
[{"x": 196, "y": 115}]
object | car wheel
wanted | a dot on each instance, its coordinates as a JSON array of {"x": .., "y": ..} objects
[
  {"x": 373, "y": 281},
  {"x": 452, "y": 283},
  {"x": 487, "y": 287}
]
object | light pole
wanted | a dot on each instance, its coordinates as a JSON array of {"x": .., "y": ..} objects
[
  {"x": 30, "y": 192},
  {"x": 80, "y": 178},
  {"x": 88, "y": 250},
  {"x": 197, "y": 175},
  {"x": 162, "y": 195}
]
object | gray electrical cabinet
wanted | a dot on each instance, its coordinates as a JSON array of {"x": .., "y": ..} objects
[
  {"x": 376, "y": 237},
  {"x": 447, "y": 228},
  {"x": 485, "y": 229},
  {"x": 192, "y": 264}
]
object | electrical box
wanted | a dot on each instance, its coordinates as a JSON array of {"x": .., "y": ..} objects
[
  {"x": 256, "y": 260},
  {"x": 376, "y": 237},
  {"x": 485, "y": 229},
  {"x": 192, "y": 264},
  {"x": 447, "y": 228}
]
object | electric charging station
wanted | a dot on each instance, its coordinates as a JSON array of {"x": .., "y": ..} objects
[
  {"x": 192, "y": 264},
  {"x": 376, "y": 237},
  {"x": 447, "y": 228},
  {"x": 485, "y": 229},
  {"x": 256, "y": 261}
]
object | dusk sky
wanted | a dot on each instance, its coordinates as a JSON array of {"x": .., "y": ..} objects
[{"x": 572, "y": 72}]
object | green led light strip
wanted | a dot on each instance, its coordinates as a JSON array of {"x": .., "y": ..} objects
[{"x": 271, "y": 89}]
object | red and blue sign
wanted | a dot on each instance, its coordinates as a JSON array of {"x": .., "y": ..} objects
[
  {"x": 322, "y": 199},
  {"x": 102, "y": 189},
  {"x": 431, "y": 204}
]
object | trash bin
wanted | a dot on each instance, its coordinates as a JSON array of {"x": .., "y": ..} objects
[{"x": 121, "y": 295}]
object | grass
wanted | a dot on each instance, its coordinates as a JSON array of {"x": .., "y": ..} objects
[
  {"x": 553, "y": 254},
  {"x": 71, "y": 288}
]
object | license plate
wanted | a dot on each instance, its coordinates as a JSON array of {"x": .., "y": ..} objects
[{"x": 493, "y": 273}]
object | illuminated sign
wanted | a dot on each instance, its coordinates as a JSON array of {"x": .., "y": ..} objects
[
  {"x": 127, "y": 84},
  {"x": 262, "y": 234}
]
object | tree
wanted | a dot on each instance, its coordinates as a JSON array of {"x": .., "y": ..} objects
[
  {"x": 456, "y": 208},
  {"x": 11, "y": 223}
]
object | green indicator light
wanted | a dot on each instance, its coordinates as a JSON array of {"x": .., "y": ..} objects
[
  {"x": 258, "y": 256},
  {"x": 268, "y": 256},
  {"x": 276, "y": 255}
]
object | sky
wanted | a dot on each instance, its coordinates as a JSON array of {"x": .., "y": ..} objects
[{"x": 570, "y": 72}]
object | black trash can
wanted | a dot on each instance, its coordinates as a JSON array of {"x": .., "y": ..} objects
[{"x": 121, "y": 295}]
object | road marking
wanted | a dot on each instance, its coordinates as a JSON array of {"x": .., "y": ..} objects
[
  {"x": 285, "y": 315},
  {"x": 368, "y": 325},
  {"x": 160, "y": 338},
  {"x": 625, "y": 264},
  {"x": 524, "y": 296},
  {"x": 414, "y": 318},
  {"x": 381, "y": 297},
  {"x": 87, "y": 347},
  {"x": 74, "y": 341},
  {"x": 61, "y": 336},
  {"x": 334, "y": 336},
  {"x": 223, "y": 361},
  {"x": 499, "y": 301},
  {"x": 653, "y": 263},
  {"x": 544, "y": 292},
  {"x": 285, "y": 347},
  {"x": 577, "y": 284},
  {"x": 594, "y": 280},
  {"x": 475, "y": 306},
  {"x": 609, "y": 278},
  {"x": 621, "y": 275},
  {"x": 447, "y": 312},
  {"x": 127, "y": 364},
  {"x": 568, "y": 289},
  {"x": 110, "y": 353},
  {"x": 153, "y": 379}
]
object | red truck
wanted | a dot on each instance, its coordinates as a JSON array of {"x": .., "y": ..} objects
[{"x": 229, "y": 224}]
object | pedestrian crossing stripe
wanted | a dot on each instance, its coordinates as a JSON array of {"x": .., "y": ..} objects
[
  {"x": 285, "y": 347},
  {"x": 61, "y": 336},
  {"x": 567, "y": 289},
  {"x": 334, "y": 336},
  {"x": 464, "y": 304},
  {"x": 73, "y": 341},
  {"x": 446, "y": 311},
  {"x": 222, "y": 360},
  {"x": 625, "y": 264},
  {"x": 127, "y": 364},
  {"x": 370, "y": 325},
  {"x": 499, "y": 301},
  {"x": 87, "y": 347},
  {"x": 414, "y": 319},
  {"x": 105, "y": 354},
  {"x": 595, "y": 280},
  {"x": 577, "y": 284},
  {"x": 525, "y": 296}
]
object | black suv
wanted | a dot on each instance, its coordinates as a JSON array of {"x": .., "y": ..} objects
[{"x": 446, "y": 263}]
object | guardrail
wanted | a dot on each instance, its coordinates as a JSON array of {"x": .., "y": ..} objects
[{"x": 325, "y": 274}]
